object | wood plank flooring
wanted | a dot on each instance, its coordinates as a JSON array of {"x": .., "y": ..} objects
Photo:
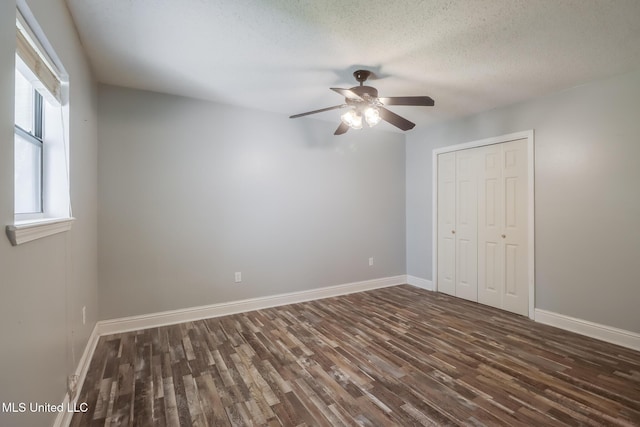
[{"x": 394, "y": 356}]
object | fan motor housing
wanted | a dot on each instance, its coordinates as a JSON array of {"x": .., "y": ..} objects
[{"x": 368, "y": 93}]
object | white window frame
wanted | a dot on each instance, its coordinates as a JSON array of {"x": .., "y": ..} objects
[{"x": 44, "y": 70}]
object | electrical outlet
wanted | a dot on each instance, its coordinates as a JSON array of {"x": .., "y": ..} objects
[
  {"x": 72, "y": 385},
  {"x": 238, "y": 277},
  {"x": 370, "y": 261},
  {"x": 84, "y": 315}
]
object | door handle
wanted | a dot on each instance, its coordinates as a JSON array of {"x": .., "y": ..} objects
[
  {"x": 453, "y": 231},
  {"x": 504, "y": 236}
]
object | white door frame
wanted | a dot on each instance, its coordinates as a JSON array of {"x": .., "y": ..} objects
[{"x": 528, "y": 135}]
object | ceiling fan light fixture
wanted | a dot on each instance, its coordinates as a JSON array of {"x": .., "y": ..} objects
[
  {"x": 353, "y": 119},
  {"x": 364, "y": 101},
  {"x": 372, "y": 116}
]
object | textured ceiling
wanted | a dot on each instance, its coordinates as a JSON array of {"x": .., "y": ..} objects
[{"x": 283, "y": 55}]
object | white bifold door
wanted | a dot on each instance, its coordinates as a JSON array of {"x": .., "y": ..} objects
[{"x": 482, "y": 225}]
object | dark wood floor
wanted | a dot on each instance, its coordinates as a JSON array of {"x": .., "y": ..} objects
[{"x": 393, "y": 356}]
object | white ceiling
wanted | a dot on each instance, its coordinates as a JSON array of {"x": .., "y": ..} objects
[{"x": 283, "y": 55}]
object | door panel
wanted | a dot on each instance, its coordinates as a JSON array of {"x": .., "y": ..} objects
[
  {"x": 446, "y": 223},
  {"x": 490, "y": 211},
  {"x": 464, "y": 254},
  {"x": 510, "y": 202},
  {"x": 448, "y": 268},
  {"x": 489, "y": 202},
  {"x": 490, "y": 273},
  {"x": 515, "y": 176},
  {"x": 467, "y": 224},
  {"x": 510, "y": 269}
]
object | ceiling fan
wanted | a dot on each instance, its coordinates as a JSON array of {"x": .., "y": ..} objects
[{"x": 364, "y": 101}]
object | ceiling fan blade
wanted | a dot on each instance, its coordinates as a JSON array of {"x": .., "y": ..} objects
[
  {"x": 394, "y": 119},
  {"x": 348, "y": 93},
  {"x": 335, "y": 107},
  {"x": 424, "y": 101},
  {"x": 343, "y": 128}
]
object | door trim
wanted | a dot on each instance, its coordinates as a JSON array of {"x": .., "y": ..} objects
[{"x": 529, "y": 136}]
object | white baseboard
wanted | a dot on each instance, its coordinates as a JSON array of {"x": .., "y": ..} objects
[
  {"x": 420, "y": 283},
  {"x": 153, "y": 320},
  {"x": 64, "y": 417},
  {"x": 609, "y": 334}
]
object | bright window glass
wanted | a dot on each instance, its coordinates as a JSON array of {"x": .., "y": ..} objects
[
  {"x": 28, "y": 176},
  {"x": 28, "y": 148},
  {"x": 24, "y": 107}
]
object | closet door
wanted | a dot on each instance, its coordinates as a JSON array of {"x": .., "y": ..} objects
[
  {"x": 490, "y": 245},
  {"x": 447, "y": 223},
  {"x": 466, "y": 276},
  {"x": 502, "y": 227},
  {"x": 514, "y": 226}
]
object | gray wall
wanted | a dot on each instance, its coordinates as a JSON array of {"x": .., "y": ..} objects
[
  {"x": 45, "y": 283},
  {"x": 192, "y": 191},
  {"x": 587, "y": 197}
]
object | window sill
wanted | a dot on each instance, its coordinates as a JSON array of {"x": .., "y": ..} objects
[{"x": 25, "y": 231}]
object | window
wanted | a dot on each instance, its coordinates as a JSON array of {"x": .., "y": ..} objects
[
  {"x": 28, "y": 148},
  {"x": 41, "y": 174}
]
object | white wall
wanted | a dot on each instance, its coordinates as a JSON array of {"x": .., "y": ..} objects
[
  {"x": 45, "y": 283},
  {"x": 192, "y": 191},
  {"x": 587, "y": 201}
]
